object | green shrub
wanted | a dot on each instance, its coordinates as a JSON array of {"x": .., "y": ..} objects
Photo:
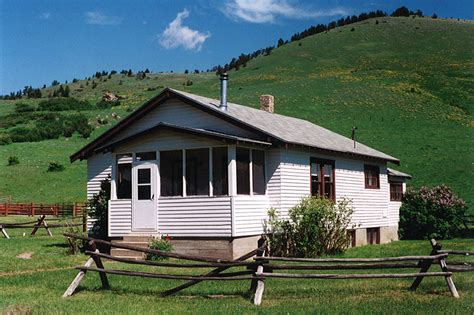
[
  {"x": 55, "y": 167},
  {"x": 5, "y": 139},
  {"x": 63, "y": 104},
  {"x": 431, "y": 213},
  {"x": 159, "y": 244},
  {"x": 23, "y": 108},
  {"x": 98, "y": 207},
  {"x": 316, "y": 226},
  {"x": 24, "y": 134},
  {"x": 13, "y": 160},
  {"x": 105, "y": 104}
]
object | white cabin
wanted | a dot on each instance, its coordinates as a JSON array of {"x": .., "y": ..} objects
[{"x": 185, "y": 167}]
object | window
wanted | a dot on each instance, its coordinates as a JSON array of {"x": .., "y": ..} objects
[
  {"x": 197, "y": 172},
  {"x": 219, "y": 171},
  {"x": 243, "y": 171},
  {"x": 396, "y": 191},
  {"x": 372, "y": 176},
  {"x": 373, "y": 236},
  {"x": 171, "y": 172},
  {"x": 144, "y": 184},
  {"x": 124, "y": 176},
  {"x": 124, "y": 181},
  {"x": 258, "y": 172},
  {"x": 322, "y": 178},
  {"x": 250, "y": 161},
  {"x": 145, "y": 156}
]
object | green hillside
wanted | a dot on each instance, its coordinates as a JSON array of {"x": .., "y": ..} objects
[{"x": 406, "y": 83}]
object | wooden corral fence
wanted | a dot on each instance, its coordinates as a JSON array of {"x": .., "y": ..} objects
[
  {"x": 466, "y": 266},
  {"x": 39, "y": 223},
  {"x": 33, "y": 209},
  {"x": 260, "y": 268}
]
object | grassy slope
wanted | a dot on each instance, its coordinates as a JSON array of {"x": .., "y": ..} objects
[
  {"x": 407, "y": 84},
  {"x": 36, "y": 286}
]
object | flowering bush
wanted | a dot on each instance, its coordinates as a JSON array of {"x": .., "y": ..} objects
[
  {"x": 315, "y": 226},
  {"x": 431, "y": 213}
]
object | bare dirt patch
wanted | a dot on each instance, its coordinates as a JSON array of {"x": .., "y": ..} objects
[{"x": 25, "y": 255}]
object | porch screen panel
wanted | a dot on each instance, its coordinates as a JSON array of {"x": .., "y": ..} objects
[
  {"x": 243, "y": 171},
  {"x": 171, "y": 173},
  {"x": 219, "y": 171},
  {"x": 124, "y": 181},
  {"x": 258, "y": 172},
  {"x": 197, "y": 172}
]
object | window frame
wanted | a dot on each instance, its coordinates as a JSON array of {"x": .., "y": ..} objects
[
  {"x": 368, "y": 168},
  {"x": 251, "y": 173},
  {"x": 122, "y": 159},
  {"x": 321, "y": 182},
  {"x": 371, "y": 232},
  {"x": 394, "y": 195},
  {"x": 210, "y": 150},
  {"x": 183, "y": 166}
]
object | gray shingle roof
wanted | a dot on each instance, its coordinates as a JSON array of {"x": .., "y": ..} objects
[
  {"x": 289, "y": 129},
  {"x": 392, "y": 172}
]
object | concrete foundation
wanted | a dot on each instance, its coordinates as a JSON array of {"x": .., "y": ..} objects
[
  {"x": 387, "y": 235},
  {"x": 232, "y": 248},
  {"x": 215, "y": 248}
]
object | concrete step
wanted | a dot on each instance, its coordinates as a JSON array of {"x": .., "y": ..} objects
[
  {"x": 145, "y": 239},
  {"x": 119, "y": 252}
]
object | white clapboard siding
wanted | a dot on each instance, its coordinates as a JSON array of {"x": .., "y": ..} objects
[
  {"x": 99, "y": 167},
  {"x": 195, "y": 216},
  {"x": 250, "y": 214},
  {"x": 273, "y": 174},
  {"x": 370, "y": 205},
  {"x": 120, "y": 217},
  {"x": 163, "y": 140},
  {"x": 295, "y": 181},
  {"x": 178, "y": 113},
  {"x": 394, "y": 212}
]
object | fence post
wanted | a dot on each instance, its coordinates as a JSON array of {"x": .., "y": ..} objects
[
  {"x": 258, "y": 285},
  {"x": 98, "y": 263},
  {"x": 73, "y": 209},
  {"x": 425, "y": 265},
  {"x": 444, "y": 267},
  {"x": 84, "y": 221},
  {"x": 32, "y": 209}
]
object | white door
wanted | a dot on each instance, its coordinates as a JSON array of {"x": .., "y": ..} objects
[{"x": 144, "y": 210}]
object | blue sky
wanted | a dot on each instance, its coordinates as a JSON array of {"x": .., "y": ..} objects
[{"x": 42, "y": 41}]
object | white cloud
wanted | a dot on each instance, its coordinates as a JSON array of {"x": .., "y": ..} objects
[
  {"x": 176, "y": 35},
  {"x": 98, "y": 18},
  {"x": 267, "y": 11},
  {"x": 45, "y": 15}
]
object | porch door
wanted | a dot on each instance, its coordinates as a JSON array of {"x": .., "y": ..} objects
[{"x": 144, "y": 210}]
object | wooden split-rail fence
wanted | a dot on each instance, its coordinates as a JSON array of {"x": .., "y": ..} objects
[
  {"x": 261, "y": 268},
  {"x": 41, "y": 222},
  {"x": 33, "y": 209}
]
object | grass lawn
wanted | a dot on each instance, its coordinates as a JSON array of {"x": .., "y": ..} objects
[{"x": 36, "y": 285}]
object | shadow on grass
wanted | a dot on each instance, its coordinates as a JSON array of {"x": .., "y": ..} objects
[
  {"x": 60, "y": 245},
  {"x": 157, "y": 293}
]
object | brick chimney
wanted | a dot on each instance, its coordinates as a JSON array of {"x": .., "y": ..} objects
[{"x": 267, "y": 103}]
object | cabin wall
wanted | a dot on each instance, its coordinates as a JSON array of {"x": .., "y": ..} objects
[{"x": 371, "y": 206}]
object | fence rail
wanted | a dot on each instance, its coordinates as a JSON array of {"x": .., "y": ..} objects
[
  {"x": 33, "y": 209},
  {"x": 263, "y": 267}
]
